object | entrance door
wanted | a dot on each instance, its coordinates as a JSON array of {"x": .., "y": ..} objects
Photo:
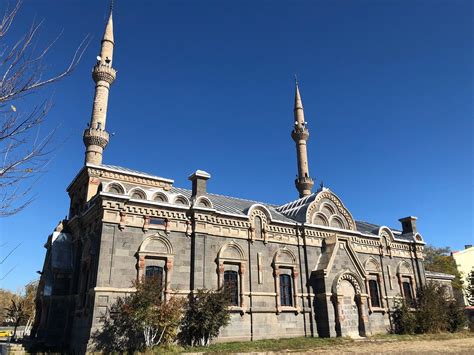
[{"x": 349, "y": 309}]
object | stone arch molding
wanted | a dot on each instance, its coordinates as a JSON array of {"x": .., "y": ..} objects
[
  {"x": 372, "y": 265},
  {"x": 261, "y": 211},
  {"x": 203, "y": 201},
  {"x": 284, "y": 256},
  {"x": 155, "y": 244},
  {"x": 404, "y": 268},
  {"x": 348, "y": 276},
  {"x": 327, "y": 209},
  {"x": 231, "y": 251}
]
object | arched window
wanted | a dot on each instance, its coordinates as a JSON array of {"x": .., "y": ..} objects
[
  {"x": 231, "y": 286},
  {"x": 160, "y": 197},
  {"x": 374, "y": 293},
  {"x": 139, "y": 195},
  {"x": 286, "y": 294},
  {"x": 180, "y": 200},
  {"x": 115, "y": 189},
  {"x": 258, "y": 227}
]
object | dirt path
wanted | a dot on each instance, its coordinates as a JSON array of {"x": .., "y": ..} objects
[{"x": 456, "y": 346}]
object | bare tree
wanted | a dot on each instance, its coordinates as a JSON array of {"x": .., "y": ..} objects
[{"x": 24, "y": 149}]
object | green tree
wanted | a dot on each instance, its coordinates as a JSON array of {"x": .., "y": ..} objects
[
  {"x": 141, "y": 320},
  {"x": 440, "y": 260},
  {"x": 206, "y": 314}
]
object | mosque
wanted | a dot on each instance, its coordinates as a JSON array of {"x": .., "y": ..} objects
[{"x": 302, "y": 268}]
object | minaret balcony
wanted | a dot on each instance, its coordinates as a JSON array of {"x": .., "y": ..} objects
[
  {"x": 304, "y": 184},
  {"x": 93, "y": 136},
  {"x": 104, "y": 72},
  {"x": 300, "y": 133}
]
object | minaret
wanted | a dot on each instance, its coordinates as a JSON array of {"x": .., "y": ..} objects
[
  {"x": 300, "y": 135},
  {"x": 96, "y": 137}
]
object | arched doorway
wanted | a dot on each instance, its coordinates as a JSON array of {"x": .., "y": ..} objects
[{"x": 349, "y": 307}]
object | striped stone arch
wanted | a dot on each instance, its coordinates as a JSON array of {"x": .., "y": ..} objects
[
  {"x": 352, "y": 278},
  {"x": 328, "y": 208}
]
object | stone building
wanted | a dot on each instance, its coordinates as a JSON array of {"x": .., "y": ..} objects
[{"x": 302, "y": 268}]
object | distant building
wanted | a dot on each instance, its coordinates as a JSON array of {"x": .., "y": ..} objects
[
  {"x": 465, "y": 263},
  {"x": 302, "y": 268}
]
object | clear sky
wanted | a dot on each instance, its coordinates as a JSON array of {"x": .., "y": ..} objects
[{"x": 387, "y": 88}]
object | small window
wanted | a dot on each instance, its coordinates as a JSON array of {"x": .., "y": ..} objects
[
  {"x": 374, "y": 293},
  {"x": 258, "y": 227},
  {"x": 181, "y": 201},
  {"x": 138, "y": 195},
  {"x": 286, "y": 298},
  {"x": 115, "y": 189},
  {"x": 160, "y": 198},
  {"x": 231, "y": 286},
  {"x": 407, "y": 292}
]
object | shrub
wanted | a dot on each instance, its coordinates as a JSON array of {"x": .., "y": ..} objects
[
  {"x": 431, "y": 309},
  {"x": 140, "y": 321},
  {"x": 206, "y": 314},
  {"x": 456, "y": 317},
  {"x": 432, "y": 312},
  {"x": 403, "y": 319}
]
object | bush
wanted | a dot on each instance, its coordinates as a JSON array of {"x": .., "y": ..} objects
[
  {"x": 456, "y": 317},
  {"x": 206, "y": 314},
  {"x": 140, "y": 321},
  {"x": 404, "y": 321},
  {"x": 431, "y": 309},
  {"x": 432, "y": 312}
]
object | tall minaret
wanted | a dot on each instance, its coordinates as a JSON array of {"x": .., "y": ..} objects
[
  {"x": 96, "y": 137},
  {"x": 300, "y": 135}
]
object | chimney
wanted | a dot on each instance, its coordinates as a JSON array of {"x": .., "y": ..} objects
[
  {"x": 408, "y": 224},
  {"x": 199, "y": 179}
]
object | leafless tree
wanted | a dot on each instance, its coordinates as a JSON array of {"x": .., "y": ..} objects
[{"x": 24, "y": 149}]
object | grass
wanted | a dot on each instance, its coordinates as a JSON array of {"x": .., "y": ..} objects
[
  {"x": 293, "y": 344},
  {"x": 305, "y": 344}
]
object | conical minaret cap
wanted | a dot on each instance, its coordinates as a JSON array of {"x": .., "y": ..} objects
[
  {"x": 109, "y": 30},
  {"x": 298, "y": 101}
]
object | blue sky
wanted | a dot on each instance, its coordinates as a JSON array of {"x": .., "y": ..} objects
[{"x": 387, "y": 88}]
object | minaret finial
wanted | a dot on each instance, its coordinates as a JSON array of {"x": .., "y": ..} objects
[
  {"x": 300, "y": 135},
  {"x": 95, "y": 136}
]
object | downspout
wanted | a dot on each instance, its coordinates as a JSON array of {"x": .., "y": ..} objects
[
  {"x": 385, "y": 289},
  {"x": 308, "y": 276},
  {"x": 417, "y": 265},
  {"x": 250, "y": 291},
  {"x": 301, "y": 280}
]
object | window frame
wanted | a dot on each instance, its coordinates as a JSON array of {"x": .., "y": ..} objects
[
  {"x": 234, "y": 294},
  {"x": 286, "y": 290}
]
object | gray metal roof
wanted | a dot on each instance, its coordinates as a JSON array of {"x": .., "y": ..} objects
[
  {"x": 367, "y": 228},
  {"x": 134, "y": 172},
  {"x": 235, "y": 205},
  {"x": 291, "y": 212}
]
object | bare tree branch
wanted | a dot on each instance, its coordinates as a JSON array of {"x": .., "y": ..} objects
[{"x": 24, "y": 148}]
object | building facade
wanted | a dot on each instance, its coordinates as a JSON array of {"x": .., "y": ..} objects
[{"x": 303, "y": 268}]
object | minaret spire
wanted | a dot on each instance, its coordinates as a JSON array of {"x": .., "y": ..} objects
[
  {"x": 300, "y": 135},
  {"x": 96, "y": 137}
]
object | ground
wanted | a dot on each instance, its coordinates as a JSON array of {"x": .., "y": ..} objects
[{"x": 459, "y": 343}]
